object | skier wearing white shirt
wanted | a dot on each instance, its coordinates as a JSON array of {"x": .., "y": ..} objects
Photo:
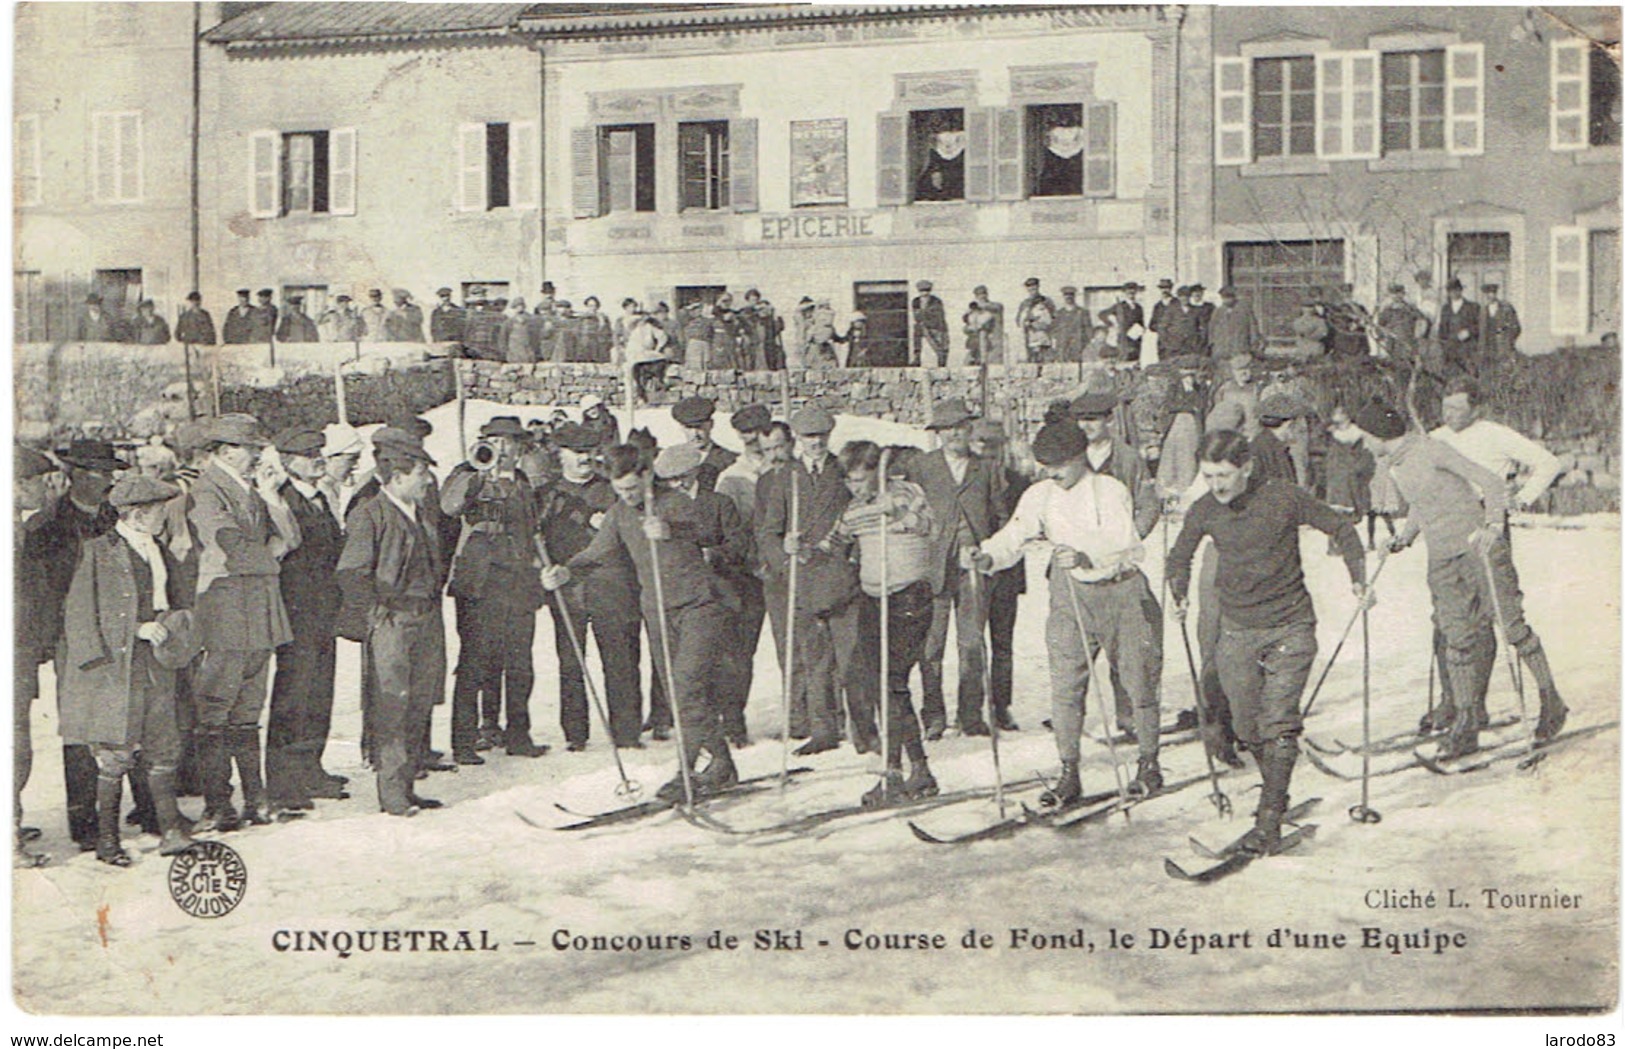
[{"x": 1098, "y": 596}]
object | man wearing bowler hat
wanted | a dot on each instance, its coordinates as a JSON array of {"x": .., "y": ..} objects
[
  {"x": 961, "y": 489},
  {"x": 390, "y": 574},
  {"x": 1129, "y": 317},
  {"x": 239, "y": 327},
  {"x": 694, "y": 415},
  {"x": 244, "y": 530},
  {"x": 930, "y": 326},
  {"x": 495, "y": 583},
  {"x": 1458, "y": 330},
  {"x": 302, "y": 691}
]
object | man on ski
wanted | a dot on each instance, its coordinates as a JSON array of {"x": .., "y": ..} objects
[
  {"x": 1098, "y": 596},
  {"x": 1267, "y": 621}
]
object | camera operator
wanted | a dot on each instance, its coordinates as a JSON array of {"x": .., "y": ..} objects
[{"x": 495, "y": 583}]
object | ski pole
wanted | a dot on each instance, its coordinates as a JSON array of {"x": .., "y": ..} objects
[
  {"x": 790, "y": 627},
  {"x": 1382, "y": 561},
  {"x": 1221, "y": 801},
  {"x": 979, "y": 597},
  {"x": 628, "y": 787},
  {"x": 885, "y": 630},
  {"x": 1530, "y": 757},
  {"x": 1111, "y": 744},
  {"x": 1363, "y": 812},
  {"x": 665, "y": 647}
]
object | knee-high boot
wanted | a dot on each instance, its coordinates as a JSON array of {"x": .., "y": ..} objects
[
  {"x": 244, "y": 741},
  {"x": 109, "y": 798},
  {"x": 142, "y": 815},
  {"x": 1276, "y": 757},
  {"x": 176, "y": 829},
  {"x": 79, "y": 775},
  {"x": 1553, "y": 711},
  {"x": 214, "y": 775}
]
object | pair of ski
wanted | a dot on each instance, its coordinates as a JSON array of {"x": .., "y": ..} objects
[
  {"x": 1080, "y": 812},
  {"x": 1399, "y": 741},
  {"x": 1484, "y": 757},
  {"x": 1231, "y": 859},
  {"x": 655, "y": 806}
]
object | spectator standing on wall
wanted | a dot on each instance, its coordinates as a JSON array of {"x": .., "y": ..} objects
[
  {"x": 1035, "y": 318},
  {"x": 446, "y": 320},
  {"x": 240, "y": 321},
  {"x": 930, "y": 326},
  {"x": 265, "y": 316},
  {"x": 1129, "y": 317},
  {"x": 1071, "y": 327},
  {"x": 342, "y": 322},
  {"x": 194, "y": 325},
  {"x": 515, "y": 342},
  {"x": 149, "y": 329},
  {"x": 404, "y": 323},
  {"x": 1402, "y": 325},
  {"x": 373, "y": 315},
  {"x": 595, "y": 335},
  {"x": 295, "y": 325}
]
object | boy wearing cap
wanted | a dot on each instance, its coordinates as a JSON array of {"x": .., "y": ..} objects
[
  {"x": 1099, "y": 598},
  {"x": 302, "y": 691},
  {"x": 1070, "y": 327},
  {"x": 390, "y": 574},
  {"x": 1177, "y": 325},
  {"x": 964, "y": 511},
  {"x": 495, "y": 586},
  {"x": 1271, "y": 460},
  {"x": 696, "y": 616},
  {"x": 1460, "y": 508},
  {"x": 244, "y": 529},
  {"x": 930, "y": 316},
  {"x": 827, "y": 655},
  {"x": 570, "y": 512},
  {"x": 149, "y": 329},
  {"x": 122, "y": 640},
  {"x": 1267, "y": 620}
]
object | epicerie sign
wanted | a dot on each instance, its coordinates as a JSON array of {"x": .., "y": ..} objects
[{"x": 839, "y": 225}]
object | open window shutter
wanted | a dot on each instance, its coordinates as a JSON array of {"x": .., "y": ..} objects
[
  {"x": 1233, "y": 116},
  {"x": 524, "y": 164},
  {"x": 979, "y": 154},
  {"x": 742, "y": 179},
  {"x": 129, "y": 156},
  {"x": 1009, "y": 158},
  {"x": 1331, "y": 96},
  {"x": 264, "y": 174},
  {"x": 341, "y": 171},
  {"x": 584, "y": 189},
  {"x": 1100, "y": 149},
  {"x": 1571, "y": 94},
  {"x": 471, "y": 167},
  {"x": 891, "y": 159},
  {"x": 1568, "y": 268},
  {"x": 1363, "y": 97},
  {"x": 104, "y": 148},
  {"x": 1464, "y": 99}
]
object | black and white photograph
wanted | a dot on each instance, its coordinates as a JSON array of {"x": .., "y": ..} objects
[{"x": 526, "y": 511}]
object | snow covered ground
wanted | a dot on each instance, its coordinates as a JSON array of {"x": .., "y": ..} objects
[{"x": 92, "y": 940}]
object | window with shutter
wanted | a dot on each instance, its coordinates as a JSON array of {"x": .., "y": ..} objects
[
  {"x": 1604, "y": 94},
  {"x": 1100, "y": 152},
  {"x": 264, "y": 174},
  {"x": 129, "y": 157},
  {"x": 496, "y": 166},
  {"x": 1283, "y": 107},
  {"x": 1568, "y": 269},
  {"x": 471, "y": 166},
  {"x": 742, "y": 177},
  {"x": 1008, "y": 156},
  {"x": 625, "y": 169},
  {"x": 116, "y": 158},
  {"x": 1346, "y": 105},
  {"x": 1232, "y": 111},
  {"x": 1331, "y": 125},
  {"x": 341, "y": 164},
  {"x": 305, "y": 173},
  {"x": 26, "y": 162},
  {"x": 584, "y": 177},
  {"x": 702, "y": 157},
  {"x": 1056, "y": 141},
  {"x": 891, "y": 159},
  {"x": 978, "y": 157},
  {"x": 1413, "y": 91},
  {"x": 1569, "y": 62},
  {"x": 948, "y": 151},
  {"x": 1464, "y": 99},
  {"x": 524, "y": 164}
]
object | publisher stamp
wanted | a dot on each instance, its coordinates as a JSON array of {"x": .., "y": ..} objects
[{"x": 209, "y": 880}]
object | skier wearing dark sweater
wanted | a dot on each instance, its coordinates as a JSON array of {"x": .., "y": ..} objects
[{"x": 1267, "y": 631}]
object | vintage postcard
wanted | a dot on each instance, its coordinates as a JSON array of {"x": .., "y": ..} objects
[{"x": 860, "y": 510}]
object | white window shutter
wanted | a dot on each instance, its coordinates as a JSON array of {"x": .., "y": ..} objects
[
  {"x": 341, "y": 157},
  {"x": 104, "y": 158},
  {"x": 892, "y": 175},
  {"x": 743, "y": 191},
  {"x": 1571, "y": 94},
  {"x": 129, "y": 156},
  {"x": 524, "y": 164},
  {"x": 1363, "y": 98},
  {"x": 1232, "y": 111},
  {"x": 1464, "y": 99},
  {"x": 471, "y": 167},
  {"x": 1009, "y": 152},
  {"x": 1570, "y": 311},
  {"x": 979, "y": 154},
  {"x": 1100, "y": 149},
  {"x": 1331, "y": 105},
  {"x": 265, "y": 174},
  {"x": 585, "y": 191}
]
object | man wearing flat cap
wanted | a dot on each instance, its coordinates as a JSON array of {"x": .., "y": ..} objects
[
  {"x": 123, "y": 637},
  {"x": 302, "y": 691},
  {"x": 1402, "y": 325},
  {"x": 694, "y": 415},
  {"x": 391, "y": 576},
  {"x": 1099, "y": 598},
  {"x": 1271, "y": 459},
  {"x": 1129, "y": 318},
  {"x": 194, "y": 326},
  {"x": 404, "y": 323},
  {"x": 962, "y": 491},
  {"x": 495, "y": 584},
  {"x": 244, "y": 530},
  {"x": 811, "y": 491},
  {"x": 446, "y": 319},
  {"x": 930, "y": 317},
  {"x": 264, "y": 322},
  {"x": 1071, "y": 326},
  {"x": 1501, "y": 325},
  {"x": 1035, "y": 319},
  {"x": 1166, "y": 301},
  {"x": 1458, "y": 330},
  {"x": 239, "y": 327},
  {"x": 603, "y": 598}
]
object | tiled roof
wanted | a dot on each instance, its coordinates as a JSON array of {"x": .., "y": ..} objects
[{"x": 281, "y": 24}]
